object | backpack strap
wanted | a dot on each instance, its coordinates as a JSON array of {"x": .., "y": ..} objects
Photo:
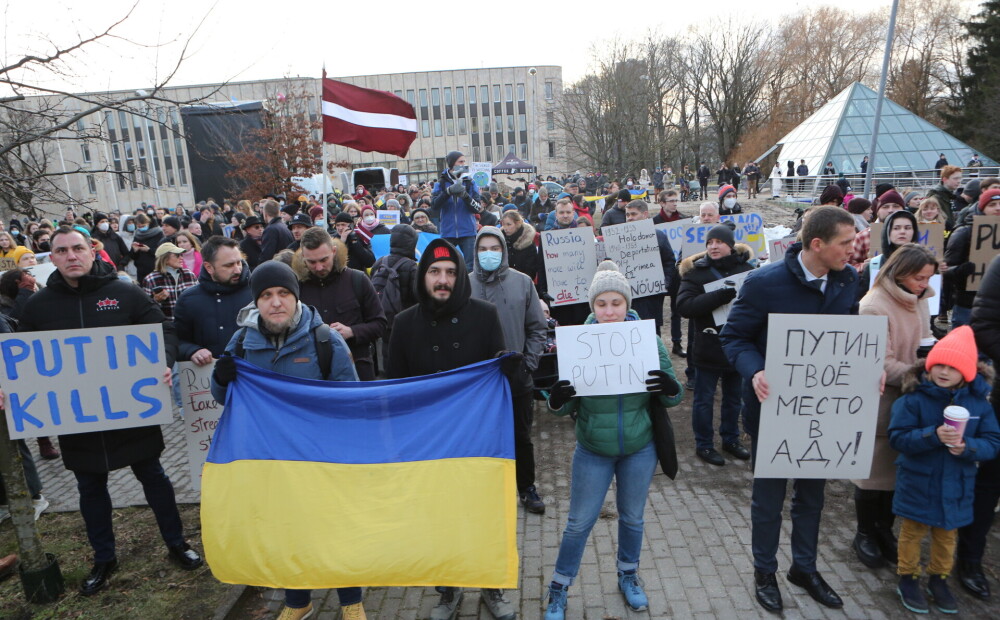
[
  {"x": 359, "y": 287},
  {"x": 238, "y": 350},
  {"x": 324, "y": 349}
]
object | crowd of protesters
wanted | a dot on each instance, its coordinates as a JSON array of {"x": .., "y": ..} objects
[{"x": 258, "y": 279}]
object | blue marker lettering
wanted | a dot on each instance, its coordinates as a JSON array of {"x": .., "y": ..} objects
[
  {"x": 19, "y": 413},
  {"x": 77, "y": 343},
  {"x": 11, "y": 358},
  {"x": 54, "y": 409},
  {"x": 154, "y": 404},
  {"x": 74, "y": 401},
  {"x": 106, "y": 402},
  {"x": 135, "y": 344},
  {"x": 40, "y": 358},
  {"x": 109, "y": 343}
]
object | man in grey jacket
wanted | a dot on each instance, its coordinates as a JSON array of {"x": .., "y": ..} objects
[{"x": 523, "y": 323}]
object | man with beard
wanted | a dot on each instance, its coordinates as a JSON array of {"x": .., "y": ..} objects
[{"x": 448, "y": 329}]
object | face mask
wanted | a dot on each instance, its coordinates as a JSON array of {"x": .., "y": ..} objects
[
  {"x": 318, "y": 223},
  {"x": 143, "y": 228},
  {"x": 15, "y": 232},
  {"x": 458, "y": 171},
  {"x": 490, "y": 261},
  {"x": 45, "y": 246},
  {"x": 150, "y": 212},
  {"x": 130, "y": 227},
  {"x": 729, "y": 202},
  {"x": 103, "y": 226},
  {"x": 369, "y": 220}
]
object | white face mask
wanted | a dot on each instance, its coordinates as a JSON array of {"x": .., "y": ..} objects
[
  {"x": 103, "y": 226},
  {"x": 729, "y": 203},
  {"x": 369, "y": 220}
]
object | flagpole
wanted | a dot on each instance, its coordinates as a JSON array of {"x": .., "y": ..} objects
[{"x": 322, "y": 151}]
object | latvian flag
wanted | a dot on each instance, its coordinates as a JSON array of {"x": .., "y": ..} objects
[{"x": 367, "y": 120}]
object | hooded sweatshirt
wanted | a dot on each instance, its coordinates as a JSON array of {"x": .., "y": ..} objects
[
  {"x": 516, "y": 301},
  {"x": 886, "y": 249}
]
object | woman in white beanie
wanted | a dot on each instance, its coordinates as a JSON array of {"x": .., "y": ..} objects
[{"x": 614, "y": 440}]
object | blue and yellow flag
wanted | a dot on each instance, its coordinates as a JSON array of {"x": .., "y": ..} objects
[{"x": 408, "y": 482}]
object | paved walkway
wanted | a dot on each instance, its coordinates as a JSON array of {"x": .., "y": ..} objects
[{"x": 696, "y": 559}]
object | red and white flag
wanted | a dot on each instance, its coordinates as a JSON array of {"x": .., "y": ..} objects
[{"x": 366, "y": 119}]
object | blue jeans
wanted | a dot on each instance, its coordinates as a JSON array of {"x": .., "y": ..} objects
[
  {"x": 297, "y": 599},
  {"x": 95, "y": 506},
  {"x": 467, "y": 245},
  {"x": 960, "y": 316},
  {"x": 704, "y": 404},
  {"x": 592, "y": 475}
]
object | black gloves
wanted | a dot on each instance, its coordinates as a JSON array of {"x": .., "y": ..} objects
[
  {"x": 225, "y": 370},
  {"x": 560, "y": 393},
  {"x": 663, "y": 383},
  {"x": 510, "y": 365},
  {"x": 727, "y": 294},
  {"x": 456, "y": 189}
]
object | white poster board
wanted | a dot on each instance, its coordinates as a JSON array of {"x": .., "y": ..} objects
[
  {"x": 634, "y": 248},
  {"x": 201, "y": 414},
  {"x": 71, "y": 381},
  {"x": 608, "y": 358},
  {"x": 721, "y": 314},
  {"x": 388, "y": 217},
  {"x": 675, "y": 234},
  {"x": 694, "y": 239},
  {"x": 41, "y": 272},
  {"x": 570, "y": 262},
  {"x": 823, "y": 372},
  {"x": 776, "y": 248},
  {"x": 482, "y": 173}
]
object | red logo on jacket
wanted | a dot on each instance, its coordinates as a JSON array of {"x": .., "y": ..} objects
[{"x": 107, "y": 304}]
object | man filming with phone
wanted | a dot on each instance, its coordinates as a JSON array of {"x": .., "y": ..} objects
[{"x": 456, "y": 202}]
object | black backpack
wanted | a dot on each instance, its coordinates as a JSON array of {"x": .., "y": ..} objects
[
  {"x": 321, "y": 339},
  {"x": 387, "y": 285}
]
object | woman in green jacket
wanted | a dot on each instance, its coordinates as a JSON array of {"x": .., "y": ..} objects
[{"x": 614, "y": 440}]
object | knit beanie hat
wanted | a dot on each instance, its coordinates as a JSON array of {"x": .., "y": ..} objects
[
  {"x": 958, "y": 350},
  {"x": 723, "y": 233},
  {"x": 344, "y": 217},
  {"x": 857, "y": 206},
  {"x": 315, "y": 212},
  {"x": 987, "y": 196},
  {"x": 270, "y": 274},
  {"x": 509, "y": 207},
  {"x": 609, "y": 278},
  {"x": 832, "y": 194},
  {"x": 891, "y": 196},
  {"x": 173, "y": 221},
  {"x": 725, "y": 189},
  {"x": 973, "y": 189},
  {"x": 882, "y": 188},
  {"x": 99, "y": 217},
  {"x": 624, "y": 195},
  {"x": 451, "y": 158}
]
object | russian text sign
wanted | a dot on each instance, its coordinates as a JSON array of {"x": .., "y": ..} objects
[{"x": 608, "y": 358}]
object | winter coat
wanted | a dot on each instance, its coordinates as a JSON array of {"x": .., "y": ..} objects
[
  {"x": 909, "y": 323},
  {"x": 359, "y": 253},
  {"x": 13, "y": 309},
  {"x": 933, "y": 486},
  {"x": 956, "y": 254},
  {"x": 145, "y": 262},
  {"x": 456, "y": 217},
  {"x": 174, "y": 282},
  {"x": 886, "y": 248},
  {"x": 662, "y": 217},
  {"x": 260, "y": 350},
  {"x": 401, "y": 256},
  {"x": 251, "y": 252},
  {"x": 986, "y": 320},
  {"x": 205, "y": 314},
  {"x": 693, "y": 303},
  {"x": 522, "y": 253},
  {"x": 276, "y": 238},
  {"x": 431, "y": 337},
  {"x": 517, "y": 305},
  {"x": 61, "y": 307},
  {"x": 778, "y": 287},
  {"x": 613, "y": 216},
  {"x": 944, "y": 198},
  {"x": 617, "y": 425},
  {"x": 117, "y": 251}
]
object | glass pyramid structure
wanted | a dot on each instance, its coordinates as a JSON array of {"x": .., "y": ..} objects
[{"x": 841, "y": 132}]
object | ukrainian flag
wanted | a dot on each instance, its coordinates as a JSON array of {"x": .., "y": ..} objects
[{"x": 408, "y": 482}]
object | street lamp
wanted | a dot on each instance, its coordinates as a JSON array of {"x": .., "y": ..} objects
[{"x": 534, "y": 120}]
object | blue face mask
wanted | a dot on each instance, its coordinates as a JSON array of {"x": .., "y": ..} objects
[
  {"x": 318, "y": 223},
  {"x": 129, "y": 227},
  {"x": 490, "y": 261},
  {"x": 143, "y": 228}
]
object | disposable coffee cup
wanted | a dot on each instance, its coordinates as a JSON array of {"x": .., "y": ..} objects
[
  {"x": 928, "y": 342},
  {"x": 956, "y": 417}
]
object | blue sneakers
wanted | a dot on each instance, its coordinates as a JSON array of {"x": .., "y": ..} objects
[
  {"x": 910, "y": 594},
  {"x": 628, "y": 583},
  {"x": 557, "y": 603}
]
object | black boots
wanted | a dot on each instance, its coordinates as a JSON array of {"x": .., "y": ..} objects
[{"x": 874, "y": 543}]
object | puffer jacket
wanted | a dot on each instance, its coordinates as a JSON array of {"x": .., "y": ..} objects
[
  {"x": 456, "y": 216},
  {"x": 522, "y": 253},
  {"x": 933, "y": 486},
  {"x": 285, "y": 357},
  {"x": 205, "y": 315},
  {"x": 617, "y": 425}
]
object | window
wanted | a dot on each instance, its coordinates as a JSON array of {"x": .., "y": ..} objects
[
  {"x": 425, "y": 128},
  {"x": 486, "y": 124},
  {"x": 447, "y": 96},
  {"x": 550, "y": 120},
  {"x": 508, "y": 92},
  {"x": 552, "y": 148},
  {"x": 450, "y": 126},
  {"x": 435, "y": 97},
  {"x": 524, "y": 151},
  {"x": 116, "y": 153},
  {"x": 520, "y": 92},
  {"x": 496, "y": 93},
  {"x": 472, "y": 95},
  {"x": 122, "y": 119},
  {"x": 460, "y": 95},
  {"x": 109, "y": 120},
  {"x": 498, "y": 123},
  {"x": 85, "y": 151},
  {"x": 121, "y": 181},
  {"x": 437, "y": 127},
  {"x": 175, "y": 123},
  {"x": 170, "y": 177},
  {"x": 423, "y": 97},
  {"x": 141, "y": 147},
  {"x": 166, "y": 150},
  {"x": 475, "y": 153},
  {"x": 409, "y": 97},
  {"x": 489, "y": 154},
  {"x": 512, "y": 150},
  {"x": 398, "y": 93},
  {"x": 80, "y": 125},
  {"x": 183, "y": 172},
  {"x": 484, "y": 92},
  {"x": 462, "y": 129},
  {"x": 128, "y": 151},
  {"x": 522, "y": 122},
  {"x": 549, "y": 88},
  {"x": 475, "y": 123},
  {"x": 510, "y": 122},
  {"x": 91, "y": 184}
]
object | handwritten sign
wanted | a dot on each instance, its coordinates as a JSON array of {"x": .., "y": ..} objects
[
  {"x": 675, "y": 234},
  {"x": 984, "y": 245},
  {"x": 929, "y": 235},
  {"x": 819, "y": 419},
  {"x": 749, "y": 230},
  {"x": 82, "y": 380},
  {"x": 7, "y": 263},
  {"x": 634, "y": 248},
  {"x": 570, "y": 263},
  {"x": 608, "y": 358},
  {"x": 776, "y": 248},
  {"x": 482, "y": 173},
  {"x": 694, "y": 238},
  {"x": 201, "y": 414},
  {"x": 721, "y": 314}
]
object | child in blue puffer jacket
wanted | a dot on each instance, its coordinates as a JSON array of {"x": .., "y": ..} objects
[{"x": 936, "y": 468}]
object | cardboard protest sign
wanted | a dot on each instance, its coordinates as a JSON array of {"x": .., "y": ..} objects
[
  {"x": 41, "y": 272},
  {"x": 82, "y": 380},
  {"x": 608, "y": 358},
  {"x": 776, "y": 248},
  {"x": 570, "y": 263},
  {"x": 749, "y": 230},
  {"x": 694, "y": 238},
  {"x": 675, "y": 234},
  {"x": 7, "y": 263},
  {"x": 929, "y": 235},
  {"x": 634, "y": 248},
  {"x": 201, "y": 414},
  {"x": 388, "y": 217},
  {"x": 600, "y": 251},
  {"x": 721, "y": 314},
  {"x": 985, "y": 244},
  {"x": 823, "y": 372},
  {"x": 482, "y": 173}
]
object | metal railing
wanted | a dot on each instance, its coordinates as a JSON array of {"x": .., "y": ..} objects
[{"x": 808, "y": 188}]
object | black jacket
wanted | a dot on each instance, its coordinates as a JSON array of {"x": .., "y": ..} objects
[
  {"x": 251, "y": 252},
  {"x": 205, "y": 314},
  {"x": 337, "y": 300},
  {"x": 956, "y": 254},
  {"x": 986, "y": 321},
  {"x": 59, "y": 306},
  {"x": 693, "y": 303},
  {"x": 431, "y": 337},
  {"x": 117, "y": 251},
  {"x": 401, "y": 257},
  {"x": 522, "y": 254},
  {"x": 276, "y": 238},
  {"x": 359, "y": 253},
  {"x": 146, "y": 261}
]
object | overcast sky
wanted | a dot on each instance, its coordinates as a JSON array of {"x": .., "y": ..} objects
[{"x": 239, "y": 42}]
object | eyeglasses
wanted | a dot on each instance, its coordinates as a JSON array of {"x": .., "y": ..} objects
[{"x": 663, "y": 202}]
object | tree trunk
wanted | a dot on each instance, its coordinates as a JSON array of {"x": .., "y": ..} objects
[{"x": 22, "y": 512}]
